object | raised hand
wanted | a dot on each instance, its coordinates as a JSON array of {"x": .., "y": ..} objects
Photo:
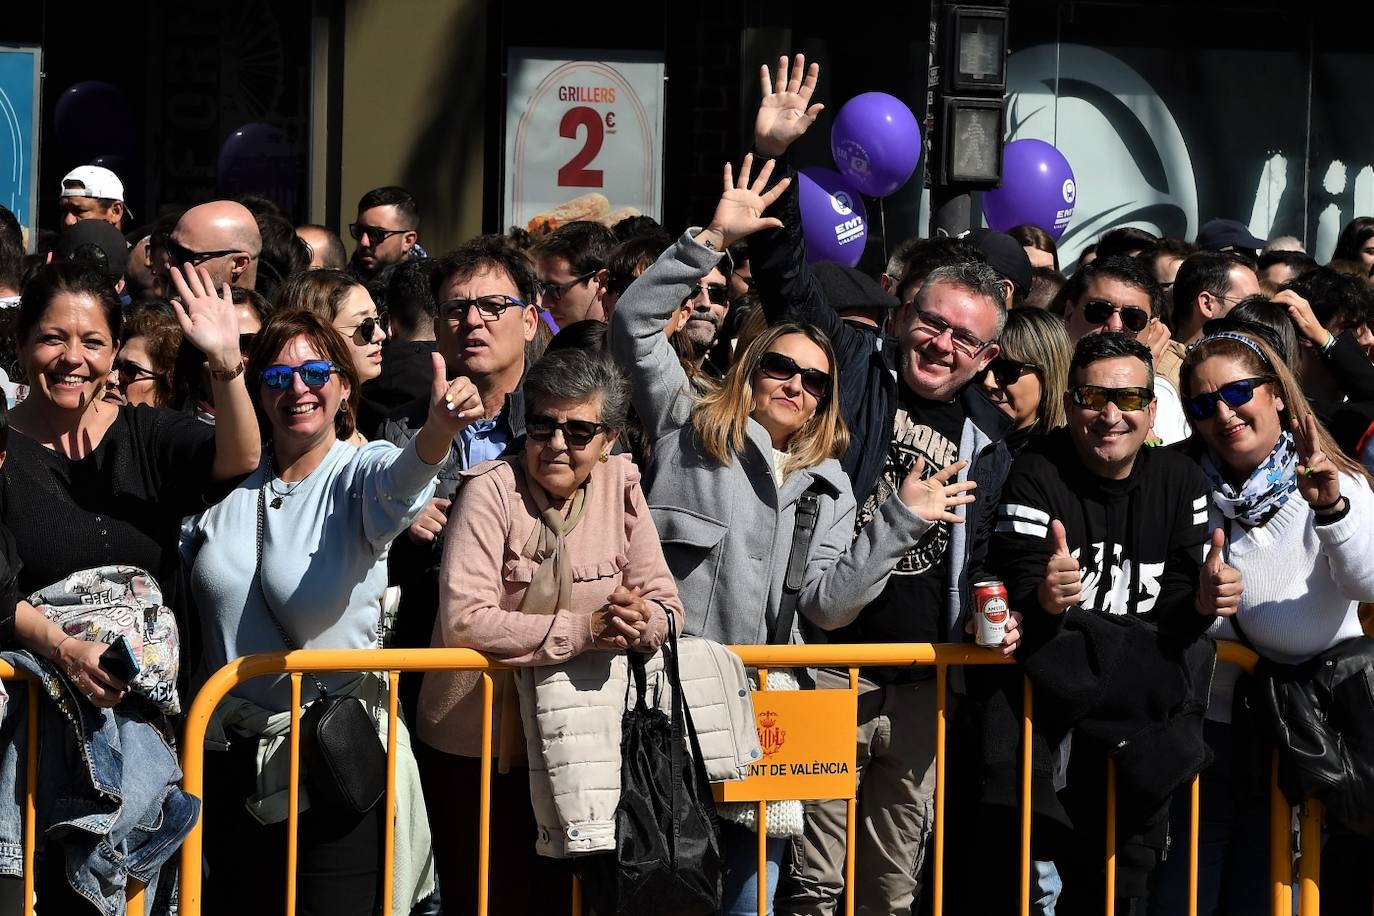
[
  {"x": 208, "y": 320},
  {"x": 1062, "y": 586},
  {"x": 1219, "y": 584},
  {"x": 935, "y": 498},
  {"x": 1300, "y": 312},
  {"x": 1156, "y": 336},
  {"x": 1319, "y": 481},
  {"x": 452, "y": 405},
  {"x": 786, "y": 109},
  {"x": 740, "y": 211}
]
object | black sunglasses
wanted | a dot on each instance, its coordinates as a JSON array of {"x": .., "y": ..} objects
[
  {"x": 576, "y": 433},
  {"x": 781, "y": 368},
  {"x": 1095, "y": 397},
  {"x": 1202, "y": 406},
  {"x": 177, "y": 255},
  {"x": 554, "y": 291},
  {"x": 130, "y": 372},
  {"x": 618, "y": 283},
  {"x": 1006, "y": 371},
  {"x": 367, "y": 328},
  {"x": 716, "y": 293},
  {"x": 375, "y": 234},
  {"x": 1099, "y": 311},
  {"x": 246, "y": 341}
]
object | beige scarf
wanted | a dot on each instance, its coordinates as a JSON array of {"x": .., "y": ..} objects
[{"x": 551, "y": 585}]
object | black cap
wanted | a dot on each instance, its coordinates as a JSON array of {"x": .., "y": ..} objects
[
  {"x": 1220, "y": 234},
  {"x": 847, "y": 288},
  {"x": 95, "y": 242},
  {"x": 1006, "y": 255}
]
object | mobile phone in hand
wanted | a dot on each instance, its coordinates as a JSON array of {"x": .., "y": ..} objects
[{"x": 119, "y": 661}]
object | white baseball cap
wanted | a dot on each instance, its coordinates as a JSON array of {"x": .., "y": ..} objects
[{"x": 94, "y": 181}]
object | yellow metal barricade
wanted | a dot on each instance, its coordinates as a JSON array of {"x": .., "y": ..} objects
[{"x": 851, "y": 657}]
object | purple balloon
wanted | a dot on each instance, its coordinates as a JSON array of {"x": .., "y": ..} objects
[
  {"x": 259, "y": 159},
  {"x": 93, "y": 119},
  {"x": 1037, "y": 188},
  {"x": 834, "y": 222},
  {"x": 876, "y": 143}
]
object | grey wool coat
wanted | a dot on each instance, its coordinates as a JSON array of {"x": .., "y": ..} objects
[{"x": 727, "y": 528}]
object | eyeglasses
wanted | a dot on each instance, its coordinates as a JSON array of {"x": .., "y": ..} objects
[
  {"x": 576, "y": 433},
  {"x": 1006, "y": 371},
  {"x": 315, "y": 373},
  {"x": 554, "y": 291},
  {"x": 963, "y": 340},
  {"x": 1099, "y": 311},
  {"x": 1096, "y": 398},
  {"x": 178, "y": 255},
  {"x": 130, "y": 372},
  {"x": 777, "y": 366},
  {"x": 375, "y": 234},
  {"x": 367, "y": 328},
  {"x": 716, "y": 293},
  {"x": 489, "y": 307},
  {"x": 1202, "y": 406}
]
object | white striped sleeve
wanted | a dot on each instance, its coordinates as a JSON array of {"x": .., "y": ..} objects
[
  {"x": 1026, "y": 520},
  {"x": 1200, "y": 510}
]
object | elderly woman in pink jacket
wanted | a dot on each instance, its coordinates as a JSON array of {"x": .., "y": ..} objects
[{"x": 551, "y": 552}]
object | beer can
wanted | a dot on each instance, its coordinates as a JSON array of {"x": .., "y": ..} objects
[{"x": 990, "y": 606}]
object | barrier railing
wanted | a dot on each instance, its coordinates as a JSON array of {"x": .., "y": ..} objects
[{"x": 942, "y": 657}]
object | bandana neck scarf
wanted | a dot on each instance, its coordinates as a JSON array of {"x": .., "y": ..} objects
[
  {"x": 1266, "y": 489},
  {"x": 551, "y": 587}
]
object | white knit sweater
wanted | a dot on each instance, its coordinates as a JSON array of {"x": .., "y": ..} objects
[{"x": 1303, "y": 583}]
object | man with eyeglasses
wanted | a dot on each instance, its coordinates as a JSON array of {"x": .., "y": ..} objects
[
  {"x": 1091, "y": 522},
  {"x": 1120, "y": 294},
  {"x": 387, "y": 230},
  {"x": 484, "y": 318},
  {"x": 220, "y": 236},
  {"x": 571, "y": 262},
  {"x": 1208, "y": 285}
]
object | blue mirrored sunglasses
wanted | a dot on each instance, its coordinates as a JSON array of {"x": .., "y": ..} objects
[{"x": 315, "y": 373}]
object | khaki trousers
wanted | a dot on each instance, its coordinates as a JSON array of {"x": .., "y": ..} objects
[{"x": 896, "y": 809}]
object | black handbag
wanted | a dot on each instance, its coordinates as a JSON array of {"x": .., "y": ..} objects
[
  {"x": 1319, "y": 717},
  {"x": 345, "y": 763},
  {"x": 667, "y": 857}
]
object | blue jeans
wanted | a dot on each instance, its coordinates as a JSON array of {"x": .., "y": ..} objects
[
  {"x": 1233, "y": 842},
  {"x": 739, "y": 849},
  {"x": 1045, "y": 887}
]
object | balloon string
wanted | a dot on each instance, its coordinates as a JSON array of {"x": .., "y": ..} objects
[{"x": 882, "y": 225}]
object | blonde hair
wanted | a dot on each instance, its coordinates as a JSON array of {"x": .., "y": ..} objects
[
  {"x": 721, "y": 417},
  {"x": 1038, "y": 337},
  {"x": 1261, "y": 361}
]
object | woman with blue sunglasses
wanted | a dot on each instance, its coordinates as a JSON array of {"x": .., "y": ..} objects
[
  {"x": 1292, "y": 557},
  {"x": 295, "y": 557}
]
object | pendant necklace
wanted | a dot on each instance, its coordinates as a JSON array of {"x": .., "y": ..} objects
[{"x": 279, "y": 495}]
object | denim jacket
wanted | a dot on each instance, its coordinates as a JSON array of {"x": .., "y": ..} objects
[{"x": 112, "y": 822}]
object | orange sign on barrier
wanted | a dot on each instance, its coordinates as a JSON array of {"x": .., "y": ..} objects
[{"x": 805, "y": 756}]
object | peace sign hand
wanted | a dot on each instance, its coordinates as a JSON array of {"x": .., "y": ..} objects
[
  {"x": 740, "y": 211},
  {"x": 785, "y": 111},
  {"x": 1319, "y": 481},
  {"x": 935, "y": 498}
]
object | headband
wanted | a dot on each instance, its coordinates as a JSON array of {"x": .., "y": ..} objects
[{"x": 1232, "y": 335}]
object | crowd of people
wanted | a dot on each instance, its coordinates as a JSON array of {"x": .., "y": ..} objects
[{"x": 556, "y": 448}]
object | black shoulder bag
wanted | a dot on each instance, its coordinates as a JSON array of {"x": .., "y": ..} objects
[
  {"x": 667, "y": 856},
  {"x": 345, "y": 763}
]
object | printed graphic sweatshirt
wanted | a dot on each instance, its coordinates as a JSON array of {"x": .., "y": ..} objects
[{"x": 1139, "y": 542}]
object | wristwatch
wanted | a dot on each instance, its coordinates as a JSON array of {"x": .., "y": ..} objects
[{"x": 221, "y": 375}]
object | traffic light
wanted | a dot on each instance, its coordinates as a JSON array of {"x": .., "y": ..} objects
[{"x": 968, "y": 82}]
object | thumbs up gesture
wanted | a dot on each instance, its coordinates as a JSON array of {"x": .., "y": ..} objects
[
  {"x": 1219, "y": 583},
  {"x": 1062, "y": 586}
]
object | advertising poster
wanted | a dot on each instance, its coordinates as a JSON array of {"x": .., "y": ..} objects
[{"x": 19, "y": 113}]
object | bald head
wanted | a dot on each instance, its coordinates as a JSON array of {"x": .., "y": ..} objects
[{"x": 222, "y": 226}]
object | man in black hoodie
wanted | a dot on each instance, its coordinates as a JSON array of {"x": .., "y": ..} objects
[{"x": 1093, "y": 528}]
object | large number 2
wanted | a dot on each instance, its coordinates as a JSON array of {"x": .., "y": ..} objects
[{"x": 575, "y": 174}]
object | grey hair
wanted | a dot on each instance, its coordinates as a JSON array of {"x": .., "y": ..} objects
[
  {"x": 573, "y": 374},
  {"x": 976, "y": 277}
]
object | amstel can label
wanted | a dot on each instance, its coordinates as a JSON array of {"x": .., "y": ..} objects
[{"x": 990, "y": 606}]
